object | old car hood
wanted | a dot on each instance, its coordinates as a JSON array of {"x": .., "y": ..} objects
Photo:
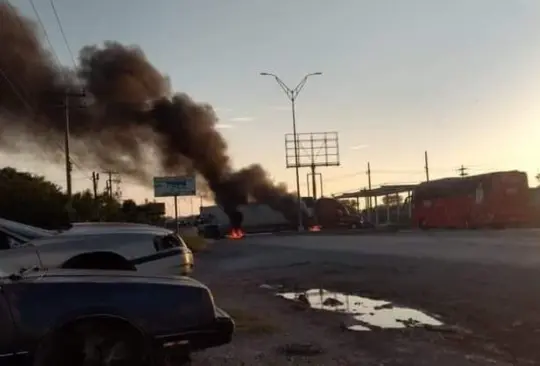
[{"x": 101, "y": 276}]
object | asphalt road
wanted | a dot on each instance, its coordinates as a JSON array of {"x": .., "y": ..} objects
[
  {"x": 482, "y": 282},
  {"x": 510, "y": 247}
]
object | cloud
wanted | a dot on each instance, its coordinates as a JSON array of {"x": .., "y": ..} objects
[
  {"x": 242, "y": 119},
  {"x": 359, "y": 147},
  {"x": 281, "y": 107},
  {"x": 222, "y": 110},
  {"x": 224, "y": 126}
]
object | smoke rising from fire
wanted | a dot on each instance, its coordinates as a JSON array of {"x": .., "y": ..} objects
[{"x": 129, "y": 112}]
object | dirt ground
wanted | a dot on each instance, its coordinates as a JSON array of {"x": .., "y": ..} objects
[{"x": 490, "y": 313}]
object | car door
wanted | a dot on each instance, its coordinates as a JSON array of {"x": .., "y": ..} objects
[{"x": 7, "y": 333}]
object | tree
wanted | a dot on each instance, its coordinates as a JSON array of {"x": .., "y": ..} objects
[
  {"x": 85, "y": 206},
  {"x": 352, "y": 205},
  {"x": 392, "y": 200},
  {"x": 131, "y": 211},
  {"x": 31, "y": 199},
  {"x": 110, "y": 209}
]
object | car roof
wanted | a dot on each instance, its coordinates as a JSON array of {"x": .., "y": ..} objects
[
  {"x": 24, "y": 230},
  {"x": 91, "y": 236},
  {"x": 110, "y": 224},
  {"x": 92, "y": 228}
]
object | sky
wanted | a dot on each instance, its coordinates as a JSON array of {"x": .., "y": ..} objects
[{"x": 459, "y": 79}]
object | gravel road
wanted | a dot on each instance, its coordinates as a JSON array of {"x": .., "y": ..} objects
[{"x": 481, "y": 287}]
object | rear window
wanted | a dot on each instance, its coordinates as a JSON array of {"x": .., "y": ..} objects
[{"x": 164, "y": 242}]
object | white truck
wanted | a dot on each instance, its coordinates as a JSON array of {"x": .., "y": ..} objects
[{"x": 257, "y": 218}]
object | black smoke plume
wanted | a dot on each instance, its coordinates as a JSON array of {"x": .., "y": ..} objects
[{"x": 129, "y": 120}]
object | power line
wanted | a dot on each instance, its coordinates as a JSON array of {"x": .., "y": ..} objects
[
  {"x": 68, "y": 47},
  {"x": 45, "y": 33},
  {"x": 15, "y": 89},
  {"x": 72, "y": 161},
  {"x": 17, "y": 93},
  {"x": 62, "y": 32}
]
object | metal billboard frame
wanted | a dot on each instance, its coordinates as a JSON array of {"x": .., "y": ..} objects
[{"x": 314, "y": 149}]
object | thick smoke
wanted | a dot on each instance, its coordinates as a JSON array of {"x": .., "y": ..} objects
[{"x": 128, "y": 114}]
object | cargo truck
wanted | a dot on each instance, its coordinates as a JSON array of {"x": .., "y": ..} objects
[{"x": 326, "y": 213}]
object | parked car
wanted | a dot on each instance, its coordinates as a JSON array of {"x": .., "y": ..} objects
[
  {"x": 118, "y": 246},
  {"x": 91, "y": 317},
  {"x": 13, "y": 234}
]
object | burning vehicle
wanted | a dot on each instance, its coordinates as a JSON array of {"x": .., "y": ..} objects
[
  {"x": 248, "y": 218},
  {"x": 324, "y": 213},
  {"x": 333, "y": 214},
  {"x": 236, "y": 219}
]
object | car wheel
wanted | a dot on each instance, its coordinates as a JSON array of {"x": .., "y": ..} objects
[{"x": 96, "y": 343}]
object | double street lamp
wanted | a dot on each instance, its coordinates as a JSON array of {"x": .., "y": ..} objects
[{"x": 292, "y": 94}]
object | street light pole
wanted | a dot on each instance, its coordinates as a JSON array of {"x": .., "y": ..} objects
[{"x": 292, "y": 94}]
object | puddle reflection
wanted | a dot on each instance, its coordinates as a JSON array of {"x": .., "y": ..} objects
[{"x": 368, "y": 314}]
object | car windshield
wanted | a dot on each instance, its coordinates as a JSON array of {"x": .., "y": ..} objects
[{"x": 23, "y": 230}]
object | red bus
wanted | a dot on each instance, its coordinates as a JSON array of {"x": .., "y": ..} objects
[{"x": 499, "y": 199}]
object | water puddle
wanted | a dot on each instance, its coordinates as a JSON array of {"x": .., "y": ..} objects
[{"x": 367, "y": 314}]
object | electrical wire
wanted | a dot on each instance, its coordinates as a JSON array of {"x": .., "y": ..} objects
[
  {"x": 68, "y": 47},
  {"x": 19, "y": 90},
  {"x": 45, "y": 33},
  {"x": 62, "y": 32},
  {"x": 72, "y": 160}
]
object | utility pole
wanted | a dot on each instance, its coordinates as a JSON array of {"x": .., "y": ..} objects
[
  {"x": 66, "y": 148},
  {"x": 112, "y": 177},
  {"x": 117, "y": 192},
  {"x": 426, "y": 167},
  {"x": 95, "y": 180},
  {"x": 109, "y": 183},
  {"x": 463, "y": 171},
  {"x": 369, "y": 182},
  {"x": 69, "y": 167}
]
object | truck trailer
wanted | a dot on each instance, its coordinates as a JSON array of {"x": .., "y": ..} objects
[{"x": 325, "y": 213}]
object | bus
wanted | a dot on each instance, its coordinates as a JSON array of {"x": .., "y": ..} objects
[{"x": 496, "y": 200}]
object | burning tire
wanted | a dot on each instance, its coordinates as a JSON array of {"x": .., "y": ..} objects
[{"x": 236, "y": 218}]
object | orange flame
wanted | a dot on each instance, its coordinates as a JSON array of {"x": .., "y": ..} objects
[
  {"x": 315, "y": 228},
  {"x": 236, "y": 234}
]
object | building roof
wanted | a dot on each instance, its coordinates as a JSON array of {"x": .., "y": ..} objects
[{"x": 377, "y": 192}]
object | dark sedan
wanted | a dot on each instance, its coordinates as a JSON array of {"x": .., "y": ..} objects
[{"x": 90, "y": 317}]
